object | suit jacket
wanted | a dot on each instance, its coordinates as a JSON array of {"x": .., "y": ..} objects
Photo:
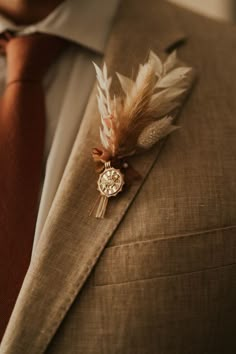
[{"x": 158, "y": 274}]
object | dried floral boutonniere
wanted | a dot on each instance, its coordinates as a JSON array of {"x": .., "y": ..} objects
[{"x": 136, "y": 120}]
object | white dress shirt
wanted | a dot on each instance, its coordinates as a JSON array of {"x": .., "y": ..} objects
[{"x": 68, "y": 83}]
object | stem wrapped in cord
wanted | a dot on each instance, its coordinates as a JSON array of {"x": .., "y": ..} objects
[{"x": 102, "y": 206}]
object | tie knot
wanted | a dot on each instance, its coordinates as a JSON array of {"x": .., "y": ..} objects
[{"x": 29, "y": 56}]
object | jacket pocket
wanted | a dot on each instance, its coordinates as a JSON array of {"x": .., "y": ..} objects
[{"x": 165, "y": 257}]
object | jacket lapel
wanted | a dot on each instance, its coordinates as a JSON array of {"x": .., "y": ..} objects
[{"x": 71, "y": 241}]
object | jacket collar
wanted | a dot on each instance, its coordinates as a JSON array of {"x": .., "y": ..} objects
[{"x": 72, "y": 241}]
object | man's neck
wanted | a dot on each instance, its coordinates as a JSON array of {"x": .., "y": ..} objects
[{"x": 27, "y": 11}]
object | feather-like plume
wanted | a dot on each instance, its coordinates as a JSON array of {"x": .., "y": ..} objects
[
  {"x": 106, "y": 108},
  {"x": 155, "y": 131},
  {"x": 143, "y": 114}
]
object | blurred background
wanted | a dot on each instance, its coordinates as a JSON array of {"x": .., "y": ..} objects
[{"x": 221, "y": 9}]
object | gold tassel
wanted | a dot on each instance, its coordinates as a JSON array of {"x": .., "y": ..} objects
[{"x": 102, "y": 206}]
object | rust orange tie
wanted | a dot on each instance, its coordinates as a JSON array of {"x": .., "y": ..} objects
[{"x": 22, "y": 130}]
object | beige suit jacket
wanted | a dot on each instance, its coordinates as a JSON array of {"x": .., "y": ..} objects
[{"x": 158, "y": 274}]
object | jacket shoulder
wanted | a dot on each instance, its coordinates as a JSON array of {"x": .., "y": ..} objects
[{"x": 204, "y": 27}]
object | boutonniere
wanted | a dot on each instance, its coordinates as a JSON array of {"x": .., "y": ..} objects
[{"x": 135, "y": 120}]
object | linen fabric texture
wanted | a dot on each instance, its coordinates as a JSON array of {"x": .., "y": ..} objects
[{"x": 158, "y": 274}]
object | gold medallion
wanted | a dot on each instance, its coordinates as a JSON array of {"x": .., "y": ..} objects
[{"x": 110, "y": 183}]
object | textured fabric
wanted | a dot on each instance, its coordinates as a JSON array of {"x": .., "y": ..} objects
[
  {"x": 22, "y": 130},
  {"x": 158, "y": 274},
  {"x": 68, "y": 82}
]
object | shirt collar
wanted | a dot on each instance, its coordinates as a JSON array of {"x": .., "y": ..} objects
[{"x": 85, "y": 22}]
